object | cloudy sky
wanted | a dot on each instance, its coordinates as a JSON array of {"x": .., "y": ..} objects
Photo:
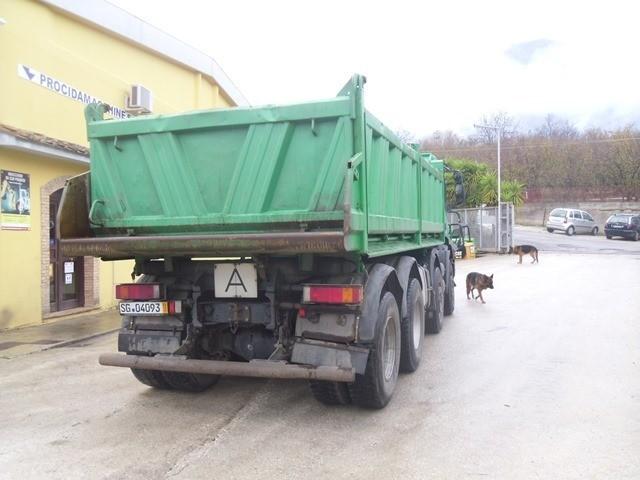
[{"x": 430, "y": 65}]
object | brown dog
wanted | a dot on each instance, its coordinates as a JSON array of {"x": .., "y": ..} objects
[
  {"x": 522, "y": 250},
  {"x": 479, "y": 282}
]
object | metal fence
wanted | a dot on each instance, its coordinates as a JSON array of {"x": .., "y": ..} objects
[{"x": 483, "y": 226}]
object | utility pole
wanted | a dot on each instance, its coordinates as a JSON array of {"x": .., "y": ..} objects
[{"x": 498, "y": 129}]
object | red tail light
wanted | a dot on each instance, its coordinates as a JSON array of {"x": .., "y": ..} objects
[
  {"x": 138, "y": 291},
  {"x": 175, "y": 306},
  {"x": 335, "y": 294}
]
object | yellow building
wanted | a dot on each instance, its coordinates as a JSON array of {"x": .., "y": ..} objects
[{"x": 58, "y": 55}]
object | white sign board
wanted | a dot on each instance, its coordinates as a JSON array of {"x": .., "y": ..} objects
[
  {"x": 68, "y": 267},
  {"x": 235, "y": 280},
  {"x": 68, "y": 278},
  {"x": 64, "y": 89}
]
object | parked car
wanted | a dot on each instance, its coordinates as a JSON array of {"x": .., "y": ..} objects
[
  {"x": 625, "y": 225},
  {"x": 570, "y": 221}
]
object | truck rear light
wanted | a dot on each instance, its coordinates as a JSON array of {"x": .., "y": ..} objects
[
  {"x": 138, "y": 291},
  {"x": 175, "y": 306},
  {"x": 335, "y": 294}
]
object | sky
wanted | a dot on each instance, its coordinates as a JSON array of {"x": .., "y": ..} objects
[{"x": 430, "y": 66}]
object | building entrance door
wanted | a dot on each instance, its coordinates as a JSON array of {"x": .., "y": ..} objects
[{"x": 66, "y": 275}]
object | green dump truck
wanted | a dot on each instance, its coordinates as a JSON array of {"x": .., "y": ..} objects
[{"x": 299, "y": 241}]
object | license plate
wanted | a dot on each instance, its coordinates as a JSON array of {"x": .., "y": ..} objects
[
  {"x": 143, "y": 308},
  {"x": 235, "y": 280},
  {"x": 618, "y": 226}
]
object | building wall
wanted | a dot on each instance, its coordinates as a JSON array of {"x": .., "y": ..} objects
[
  {"x": 20, "y": 251},
  {"x": 104, "y": 66},
  {"x": 91, "y": 60}
]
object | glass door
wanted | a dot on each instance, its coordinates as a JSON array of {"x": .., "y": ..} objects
[{"x": 66, "y": 275}]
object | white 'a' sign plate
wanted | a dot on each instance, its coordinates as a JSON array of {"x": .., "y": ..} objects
[{"x": 235, "y": 280}]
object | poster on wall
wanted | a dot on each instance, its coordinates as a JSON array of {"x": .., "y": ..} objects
[{"x": 15, "y": 201}]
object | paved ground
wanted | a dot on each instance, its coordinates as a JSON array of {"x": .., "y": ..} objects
[
  {"x": 560, "y": 242},
  {"x": 541, "y": 382},
  {"x": 54, "y": 334}
]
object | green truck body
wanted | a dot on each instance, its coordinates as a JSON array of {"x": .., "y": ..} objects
[
  {"x": 329, "y": 170},
  {"x": 302, "y": 241}
]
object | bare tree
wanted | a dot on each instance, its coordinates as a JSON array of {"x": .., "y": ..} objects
[
  {"x": 625, "y": 163},
  {"x": 406, "y": 136},
  {"x": 555, "y": 127},
  {"x": 556, "y": 161},
  {"x": 504, "y": 121}
]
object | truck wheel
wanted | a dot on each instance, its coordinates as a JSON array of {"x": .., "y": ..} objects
[
  {"x": 436, "y": 312},
  {"x": 330, "y": 393},
  {"x": 550, "y": 230},
  {"x": 449, "y": 292},
  {"x": 190, "y": 382},
  {"x": 375, "y": 388},
  {"x": 571, "y": 231},
  {"x": 152, "y": 378},
  {"x": 412, "y": 329}
]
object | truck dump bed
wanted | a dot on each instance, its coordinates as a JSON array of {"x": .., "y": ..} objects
[{"x": 320, "y": 177}]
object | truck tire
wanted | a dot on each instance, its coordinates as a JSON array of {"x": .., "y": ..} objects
[
  {"x": 412, "y": 329},
  {"x": 172, "y": 380},
  {"x": 164, "y": 380},
  {"x": 152, "y": 378},
  {"x": 330, "y": 393},
  {"x": 449, "y": 292},
  {"x": 436, "y": 312},
  {"x": 190, "y": 382},
  {"x": 375, "y": 387}
]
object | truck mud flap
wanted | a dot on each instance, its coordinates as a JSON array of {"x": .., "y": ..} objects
[
  {"x": 313, "y": 352},
  {"x": 255, "y": 368},
  {"x": 149, "y": 341}
]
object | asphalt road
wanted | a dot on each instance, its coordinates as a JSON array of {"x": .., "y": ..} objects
[
  {"x": 560, "y": 242},
  {"x": 541, "y": 382}
]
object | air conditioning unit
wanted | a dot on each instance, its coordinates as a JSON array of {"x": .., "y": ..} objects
[{"x": 140, "y": 100}]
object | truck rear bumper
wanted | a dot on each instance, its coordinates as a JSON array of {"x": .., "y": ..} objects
[
  {"x": 214, "y": 245},
  {"x": 255, "y": 368}
]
